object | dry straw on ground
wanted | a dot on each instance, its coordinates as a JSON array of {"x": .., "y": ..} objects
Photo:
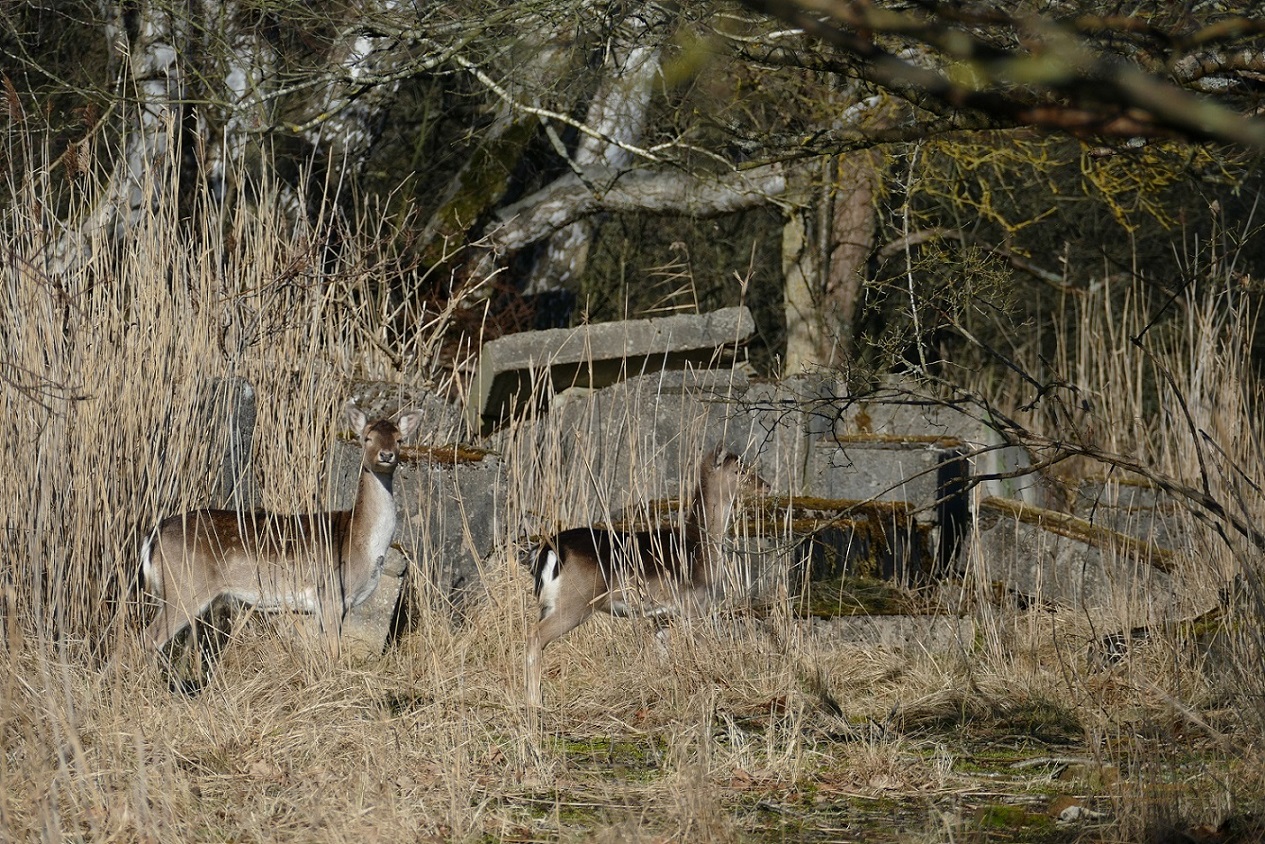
[{"x": 745, "y": 730}]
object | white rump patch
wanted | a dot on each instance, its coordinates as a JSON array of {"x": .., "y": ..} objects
[
  {"x": 549, "y": 582},
  {"x": 147, "y": 566}
]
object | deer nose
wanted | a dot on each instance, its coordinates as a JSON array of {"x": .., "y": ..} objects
[{"x": 385, "y": 457}]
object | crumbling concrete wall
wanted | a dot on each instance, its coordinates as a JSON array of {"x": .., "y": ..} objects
[
  {"x": 526, "y": 369},
  {"x": 1047, "y": 557},
  {"x": 827, "y": 455}
]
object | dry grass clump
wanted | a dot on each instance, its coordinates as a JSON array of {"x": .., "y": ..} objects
[{"x": 744, "y": 728}]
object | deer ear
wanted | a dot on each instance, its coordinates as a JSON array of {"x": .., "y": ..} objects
[
  {"x": 356, "y": 417},
  {"x": 719, "y": 455},
  {"x": 408, "y": 422}
]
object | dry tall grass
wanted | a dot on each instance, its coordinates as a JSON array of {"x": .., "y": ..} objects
[
  {"x": 107, "y": 370},
  {"x": 1165, "y": 379}
]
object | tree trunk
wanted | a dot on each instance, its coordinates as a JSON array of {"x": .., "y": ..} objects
[
  {"x": 147, "y": 52},
  {"x": 800, "y": 272},
  {"x": 618, "y": 114},
  {"x": 825, "y": 247},
  {"x": 853, "y": 228},
  {"x": 210, "y": 54}
]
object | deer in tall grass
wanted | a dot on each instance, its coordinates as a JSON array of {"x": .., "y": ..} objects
[
  {"x": 656, "y": 574},
  {"x": 319, "y": 563}
]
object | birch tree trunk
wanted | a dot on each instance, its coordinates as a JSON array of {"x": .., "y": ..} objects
[
  {"x": 801, "y": 271},
  {"x": 145, "y": 43},
  {"x": 618, "y": 114},
  {"x": 204, "y": 73}
]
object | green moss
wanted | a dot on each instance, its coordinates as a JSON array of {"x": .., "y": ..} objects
[
  {"x": 850, "y": 596},
  {"x": 635, "y": 759},
  {"x": 1001, "y": 816},
  {"x": 483, "y": 183}
]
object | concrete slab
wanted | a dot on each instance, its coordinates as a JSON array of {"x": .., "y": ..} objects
[
  {"x": 1003, "y": 470},
  {"x": 1132, "y": 507},
  {"x": 228, "y": 406},
  {"x": 1054, "y": 557},
  {"x": 451, "y": 513},
  {"x": 512, "y": 369},
  {"x": 886, "y": 470},
  {"x": 642, "y": 438}
]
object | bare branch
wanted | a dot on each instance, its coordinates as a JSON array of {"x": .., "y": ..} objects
[
  {"x": 1055, "y": 79},
  {"x": 547, "y": 114},
  {"x": 658, "y": 192}
]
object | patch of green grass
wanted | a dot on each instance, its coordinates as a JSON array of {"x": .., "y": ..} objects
[
  {"x": 1013, "y": 818},
  {"x": 638, "y": 758}
]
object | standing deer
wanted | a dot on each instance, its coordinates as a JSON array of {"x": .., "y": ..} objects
[
  {"x": 653, "y": 574},
  {"x": 321, "y": 563}
]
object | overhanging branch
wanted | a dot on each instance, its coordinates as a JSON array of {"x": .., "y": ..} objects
[
  {"x": 1057, "y": 79},
  {"x": 571, "y": 198}
]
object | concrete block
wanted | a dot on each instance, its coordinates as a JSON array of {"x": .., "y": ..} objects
[
  {"x": 899, "y": 414},
  {"x": 642, "y": 439},
  {"x": 876, "y": 542},
  {"x": 366, "y": 627},
  {"x": 451, "y": 513},
  {"x": 1055, "y": 557},
  {"x": 1005, "y": 471},
  {"x": 531, "y": 364},
  {"x": 880, "y": 471},
  {"x": 228, "y": 406},
  {"x": 1002, "y": 469},
  {"x": 780, "y": 429},
  {"x": 1131, "y": 507}
]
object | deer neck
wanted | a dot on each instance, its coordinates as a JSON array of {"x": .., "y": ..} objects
[
  {"x": 373, "y": 514},
  {"x": 708, "y": 521}
]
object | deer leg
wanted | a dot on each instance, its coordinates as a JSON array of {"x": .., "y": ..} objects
[
  {"x": 166, "y": 626},
  {"x": 556, "y": 621},
  {"x": 171, "y": 619},
  {"x": 160, "y": 631},
  {"x": 534, "y": 653},
  {"x": 211, "y": 632},
  {"x": 663, "y": 633}
]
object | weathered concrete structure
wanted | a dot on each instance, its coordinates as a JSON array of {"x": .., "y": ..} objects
[
  {"x": 535, "y": 364},
  {"x": 1053, "y": 557},
  {"x": 882, "y": 485},
  {"x": 229, "y": 407}
]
